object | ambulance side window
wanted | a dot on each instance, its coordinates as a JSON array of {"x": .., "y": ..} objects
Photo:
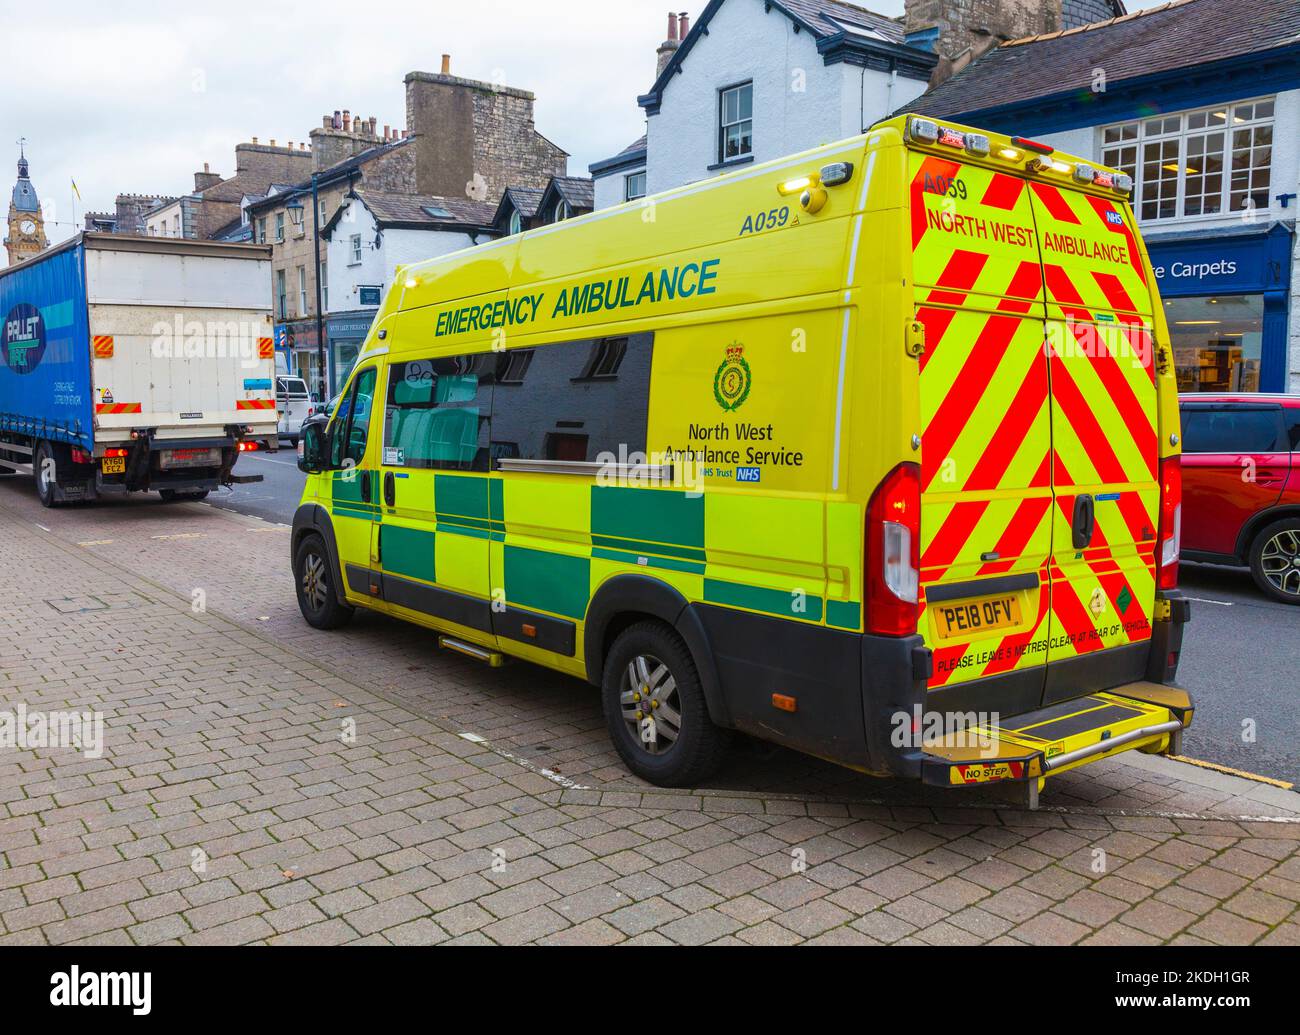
[
  {"x": 438, "y": 412},
  {"x": 352, "y": 421},
  {"x": 575, "y": 400}
]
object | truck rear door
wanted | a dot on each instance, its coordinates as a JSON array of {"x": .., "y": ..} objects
[
  {"x": 1105, "y": 453},
  {"x": 986, "y": 523}
]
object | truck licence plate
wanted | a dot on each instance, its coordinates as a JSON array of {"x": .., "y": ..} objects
[
  {"x": 113, "y": 464},
  {"x": 189, "y": 458},
  {"x": 970, "y": 617}
]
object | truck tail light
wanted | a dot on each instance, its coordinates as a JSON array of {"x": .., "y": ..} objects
[
  {"x": 117, "y": 452},
  {"x": 248, "y": 447},
  {"x": 893, "y": 570},
  {"x": 1169, "y": 539}
]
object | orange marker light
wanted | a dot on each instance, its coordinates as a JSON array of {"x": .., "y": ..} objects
[
  {"x": 530, "y": 631},
  {"x": 785, "y": 703}
]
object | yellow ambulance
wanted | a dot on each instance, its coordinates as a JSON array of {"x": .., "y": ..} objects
[{"x": 871, "y": 452}]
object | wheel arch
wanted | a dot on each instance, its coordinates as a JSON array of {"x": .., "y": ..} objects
[
  {"x": 1259, "y": 522},
  {"x": 626, "y": 599},
  {"x": 312, "y": 518}
]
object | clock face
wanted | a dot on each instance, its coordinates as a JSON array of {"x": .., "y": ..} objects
[{"x": 27, "y": 226}]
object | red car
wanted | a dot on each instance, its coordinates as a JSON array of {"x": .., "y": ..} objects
[{"x": 1241, "y": 486}]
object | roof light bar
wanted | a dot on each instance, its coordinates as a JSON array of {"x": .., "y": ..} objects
[
  {"x": 977, "y": 144},
  {"x": 1124, "y": 183},
  {"x": 923, "y": 131},
  {"x": 1084, "y": 173}
]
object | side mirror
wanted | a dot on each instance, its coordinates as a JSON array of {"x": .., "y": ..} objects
[{"x": 313, "y": 444}]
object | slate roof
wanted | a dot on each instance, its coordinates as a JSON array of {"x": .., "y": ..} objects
[
  {"x": 407, "y": 211},
  {"x": 524, "y": 199},
  {"x": 816, "y": 15},
  {"x": 1177, "y": 35},
  {"x": 580, "y": 193},
  {"x": 338, "y": 171},
  {"x": 635, "y": 151}
]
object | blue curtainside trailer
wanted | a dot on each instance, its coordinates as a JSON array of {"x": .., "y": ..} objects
[{"x": 136, "y": 363}]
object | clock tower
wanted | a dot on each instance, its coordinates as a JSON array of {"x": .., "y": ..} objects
[{"x": 26, "y": 224}]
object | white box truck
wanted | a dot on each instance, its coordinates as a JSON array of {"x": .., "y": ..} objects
[{"x": 132, "y": 363}]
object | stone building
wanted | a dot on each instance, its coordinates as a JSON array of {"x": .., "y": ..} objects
[
  {"x": 216, "y": 202},
  {"x": 464, "y": 141},
  {"x": 963, "y": 30}
]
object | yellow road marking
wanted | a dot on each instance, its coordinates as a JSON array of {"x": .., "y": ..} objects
[
  {"x": 96, "y": 542},
  {"x": 1201, "y": 763},
  {"x": 181, "y": 535}
]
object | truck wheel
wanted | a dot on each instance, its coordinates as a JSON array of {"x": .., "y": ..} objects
[
  {"x": 655, "y": 708},
  {"x": 176, "y": 496},
  {"x": 1275, "y": 560},
  {"x": 43, "y": 463},
  {"x": 312, "y": 578}
]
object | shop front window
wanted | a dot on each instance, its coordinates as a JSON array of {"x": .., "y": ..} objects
[
  {"x": 344, "y": 358},
  {"x": 1217, "y": 341}
]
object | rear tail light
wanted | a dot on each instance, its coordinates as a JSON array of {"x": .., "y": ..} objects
[
  {"x": 893, "y": 535},
  {"x": 248, "y": 447},
  {"x": 80, "y": 456},
  {"x": 116, "y": 452},
  {"x": 1169, "y": 540}
]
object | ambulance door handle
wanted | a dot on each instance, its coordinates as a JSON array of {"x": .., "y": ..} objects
[
  {"x": 365, "y": 486},
  {"x": 390, "y": 489},
  {"x": 1085, "y": 521}
]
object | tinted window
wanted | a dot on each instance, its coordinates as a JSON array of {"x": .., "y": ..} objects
[
  {"x": 1231, "y": 430},
  {"x": 352, "y": 421},
  {"x": 1292, "y": 417},
  {"x": 574, "y": 400},
  {"x": 438, "y": 412}
]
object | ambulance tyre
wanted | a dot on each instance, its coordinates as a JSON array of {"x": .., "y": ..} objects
[
  {"x": 43, "y": 468},
  {"x": 655, "y": 709},
  {"x": 1275, "y": 560},
  {"x": 317, "y": 600}
]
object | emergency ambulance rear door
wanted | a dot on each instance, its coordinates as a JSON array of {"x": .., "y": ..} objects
[
  {"x": 986, "y": 495},
  {"x": 1105, "y": 453}
]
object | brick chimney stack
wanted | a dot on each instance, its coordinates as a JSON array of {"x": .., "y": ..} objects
[
  {"x": 668, "y": 47},
  {"x": 205, "y": 179}
]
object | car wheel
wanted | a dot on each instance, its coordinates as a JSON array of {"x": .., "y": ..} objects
[
  {"x": 312, "y": 578},
  {"x": 1275, "y": 560},
  {"x": 655, "y": 709},
  {"x": 44, "y": 469}
]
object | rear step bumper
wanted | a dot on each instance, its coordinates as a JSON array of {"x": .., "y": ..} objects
[{"x": 1143, "y": 715}]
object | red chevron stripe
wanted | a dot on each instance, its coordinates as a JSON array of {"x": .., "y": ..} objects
[
  {"x": 1061, "y": 290},
  {"x": 959, "y": 275},
  {"x": 1074, "y": 617},
  {"x": 1010, "y": 435},
  {"x": 1131, "y": 411},
  {"x": 1003, "y": 192},
  {"x": 1114, "y": 291},
  {"x": 933, "y": 167},
  {"x": 1101, "y": 206},
  {"x": 951, "y": 537},
  {"x": 942, "y": 672},
  {"x": 1058, "y": 208},
  {"x": 972, "y": 381}
]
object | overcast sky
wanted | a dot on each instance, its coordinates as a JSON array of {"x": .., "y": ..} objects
[{"x": 124, "y": 96}]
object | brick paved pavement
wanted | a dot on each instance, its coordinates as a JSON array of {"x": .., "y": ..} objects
[{"x": 263, "y": 782}]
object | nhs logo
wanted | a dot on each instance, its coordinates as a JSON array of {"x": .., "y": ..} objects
[
  {"x": 749, "y": 474},
  {"x": 1114, "y": 219}
]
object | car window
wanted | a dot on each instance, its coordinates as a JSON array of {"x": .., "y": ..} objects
[
  {"x": 1292, "y": 417},
  {"x": 1232, "y": 429},
  {"x": 290, "y": 386}
]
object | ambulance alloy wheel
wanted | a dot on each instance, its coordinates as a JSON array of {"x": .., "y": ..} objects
[
  {"x": 655, "y": 708},
  {"x": 43, "y": 463},
  {"x": 316, "y": 598},
  {"x": 1275, "y": 560}
]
